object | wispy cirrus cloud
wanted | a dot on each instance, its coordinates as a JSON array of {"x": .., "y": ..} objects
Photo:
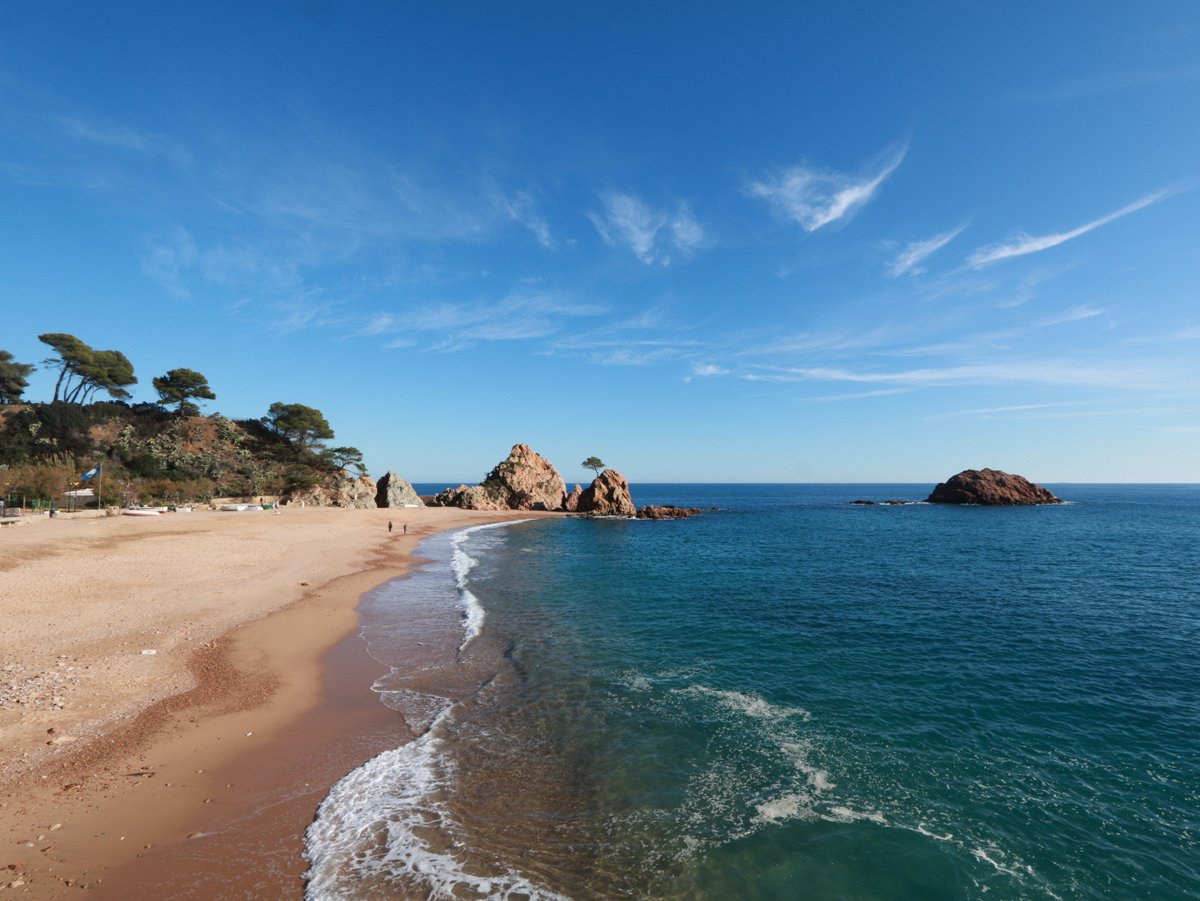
[
  {"x": 120, "y": 137},
  {"x": 816, "y": 197},
  {"x": 1078, "y": 88},
  {"x": 1074, "y": 314},
  {"x": 1023, "y": 244},
  {"x": 649, "y": 234},
  {"x": 520, "y": 316},
  {"x": 1044, "y": 372},
  {"x": 521, "y": 208},
  {"x": 909, "y": 260}
]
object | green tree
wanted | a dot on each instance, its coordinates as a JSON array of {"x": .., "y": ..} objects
[
  {"x": 73, "y": 354},
  {"x": 303, "y": 426},
  {"x": 344, "y": 458},
  {"x": 595, "y": 464},
  {"x": 13, "y": 381},
  {"x": 83, "y": 370},
  {"x": 179, "y": 386}
]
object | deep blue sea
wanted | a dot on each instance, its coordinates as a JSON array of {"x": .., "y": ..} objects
[{"x": 790, "y": 697}]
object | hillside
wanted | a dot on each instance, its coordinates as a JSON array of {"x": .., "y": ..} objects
[{"x": 151, "y": 455}]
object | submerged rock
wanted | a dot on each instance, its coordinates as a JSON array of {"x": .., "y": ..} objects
[
  {"x": 523, "y": 481},
  {"x": 991, "y": 487},
  {"x": 394, "y": 491}
]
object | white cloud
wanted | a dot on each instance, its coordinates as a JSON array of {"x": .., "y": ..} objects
[
  {"x": 1023, "y": 244},
  {"x": 705, "y": 370},
  {"x": 910, "y": 258},
  {"x": 627, "y": 221},
  {"x": 817, "y": 197}
]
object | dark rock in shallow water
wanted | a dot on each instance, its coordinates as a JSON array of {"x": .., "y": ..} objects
[
  {"x": 990, "y": 487},
  {"x": 666, "y": 511}
]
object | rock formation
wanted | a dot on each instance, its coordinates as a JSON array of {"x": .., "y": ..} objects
[
  {"x": 394, "y": 491},
  {"x": 990, "y": 487},
  {"x": 608, "y": 495},
  {"x": 525, "y": 481},
  {"x": 666, "y": 511},
  {"x": 344, "y": 492}
]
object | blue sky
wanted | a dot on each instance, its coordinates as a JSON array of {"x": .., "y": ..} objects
[{"x": 877, "y": 242}]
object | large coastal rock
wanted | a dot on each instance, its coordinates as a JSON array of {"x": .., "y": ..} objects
[
  {"x": 393, "y": 491},
  {"x": 345, "y": 491},
  {"x": 608, "y": 495},
  {"x": 990, "y": 487},
  {"x": 524, "y": 481}
]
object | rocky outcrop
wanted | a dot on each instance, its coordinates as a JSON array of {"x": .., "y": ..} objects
[
  {"x": 393, "y": 491},
  {"x": 608, "y": 495},
  {"x": 571, "y": 504},
  {"x": 345, "y": 491},
  {"x": 990, "y": 487},
  {"x": 524, "y": 481},
  {"x": 666, "y": 511}
]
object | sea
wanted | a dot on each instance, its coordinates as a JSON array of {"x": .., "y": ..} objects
[{"x": 789, "y": 696}]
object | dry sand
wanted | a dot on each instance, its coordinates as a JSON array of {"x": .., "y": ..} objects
[{"x": 193, "y": 770}]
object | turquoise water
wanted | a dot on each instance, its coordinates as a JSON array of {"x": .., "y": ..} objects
[{"x": 793, "y": 697}]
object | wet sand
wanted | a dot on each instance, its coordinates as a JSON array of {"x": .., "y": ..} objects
[{"x": 193, "y": 771}]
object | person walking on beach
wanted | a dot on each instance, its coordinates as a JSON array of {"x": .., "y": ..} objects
[
  {"x": 406, "y": 528},
  {"x": 389, "y": 525}
]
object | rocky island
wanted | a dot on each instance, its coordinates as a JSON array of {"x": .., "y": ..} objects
[
  {"x": 990, "y": 488},
  {"x": 525, "y": 480}
]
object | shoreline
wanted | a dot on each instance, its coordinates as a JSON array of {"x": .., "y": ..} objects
[{"x": 212, "y": 781}]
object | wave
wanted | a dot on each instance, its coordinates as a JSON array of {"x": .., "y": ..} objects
[
  {"x": 461, "y": 563},
  {"x": 386, "y": 823}
]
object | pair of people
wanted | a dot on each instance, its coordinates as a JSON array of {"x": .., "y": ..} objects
[{"x": 404, "y": 524}]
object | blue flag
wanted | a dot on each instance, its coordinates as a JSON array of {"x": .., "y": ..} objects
[{"x": 90, "y": 474}]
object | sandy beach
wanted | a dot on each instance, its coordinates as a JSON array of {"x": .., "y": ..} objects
[{"x": 178, "y": 692}]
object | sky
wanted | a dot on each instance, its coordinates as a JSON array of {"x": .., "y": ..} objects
[{"x": 873, "y": 242}]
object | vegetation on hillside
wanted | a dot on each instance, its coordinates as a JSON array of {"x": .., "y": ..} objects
[{"x": 147, "y": 452}]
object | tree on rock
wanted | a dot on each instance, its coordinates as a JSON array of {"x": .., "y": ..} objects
[
  {"x": 303, "y": 426},
  {"x": 344, "y": 458},
  {"x": 179, "y": 386},
  {"x": 13, "y": 381},
  {"x": 595, "y": 464}
]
